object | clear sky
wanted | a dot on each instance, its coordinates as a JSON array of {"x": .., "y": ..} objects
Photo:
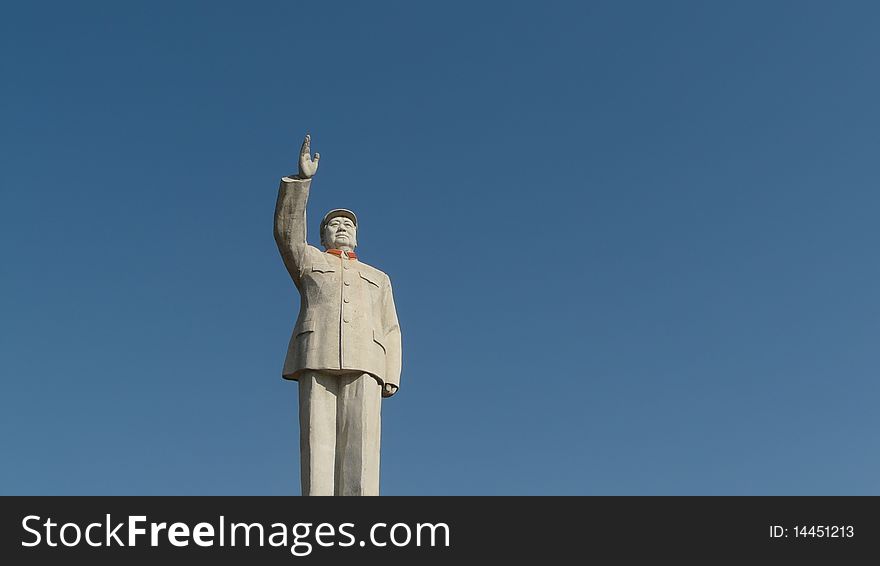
[{"x": 634, "y": 245}]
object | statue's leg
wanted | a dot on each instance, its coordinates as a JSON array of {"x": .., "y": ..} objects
[
  {"x": 357, "y": 443},
  {"x": 317, "y": 432}
]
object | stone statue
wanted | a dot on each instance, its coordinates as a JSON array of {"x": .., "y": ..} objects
[{"x": 345, "y": 349}]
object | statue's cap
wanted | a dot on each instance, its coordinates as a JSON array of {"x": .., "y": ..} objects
[{"x": 339, "y": 212}]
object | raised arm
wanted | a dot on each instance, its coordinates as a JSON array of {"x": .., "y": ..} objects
[{"x": 290, "y": 211}]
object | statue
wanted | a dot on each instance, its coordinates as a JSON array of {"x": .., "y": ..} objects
[{"x": 345, "y": 350}]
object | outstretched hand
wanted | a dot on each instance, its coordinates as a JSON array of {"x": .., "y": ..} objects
[{"x": 307, "y": 166}]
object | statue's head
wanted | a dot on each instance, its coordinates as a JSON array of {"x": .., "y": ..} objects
[{"x": 339, "y": 230}]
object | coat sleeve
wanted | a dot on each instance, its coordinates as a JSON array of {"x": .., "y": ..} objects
[
  {"x": 290, "y": 224},
  {"x": 393, "y": 354}
]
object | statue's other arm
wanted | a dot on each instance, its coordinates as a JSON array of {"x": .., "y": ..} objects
[
  {"x": 392, "y": 342},
  {"x": 290, "y": 212}
]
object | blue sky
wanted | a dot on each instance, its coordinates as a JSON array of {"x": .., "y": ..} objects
[{"x": 633, "y": 245}]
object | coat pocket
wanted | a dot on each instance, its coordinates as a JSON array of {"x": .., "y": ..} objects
[
  {"x": 305, "y": 327},
  {"x": 324, "y": 267},
  {"x": 378, "y": 339},
  {"x": 370, "y": 278}
]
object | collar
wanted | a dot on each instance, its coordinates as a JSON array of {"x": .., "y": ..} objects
[{"x": 351, "y": 255}]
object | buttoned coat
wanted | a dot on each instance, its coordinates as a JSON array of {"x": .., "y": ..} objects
[{"x": 347, "y": 319}]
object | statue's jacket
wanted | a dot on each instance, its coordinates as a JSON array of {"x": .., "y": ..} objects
[{"x": 347, "y": 319}]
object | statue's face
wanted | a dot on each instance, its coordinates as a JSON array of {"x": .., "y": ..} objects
[{"x": 340, "y": 233}]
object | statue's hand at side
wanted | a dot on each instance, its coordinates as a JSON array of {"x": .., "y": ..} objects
[
  {"x": 307, "y": 166},
  {"x": 389, "y": 389}
]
